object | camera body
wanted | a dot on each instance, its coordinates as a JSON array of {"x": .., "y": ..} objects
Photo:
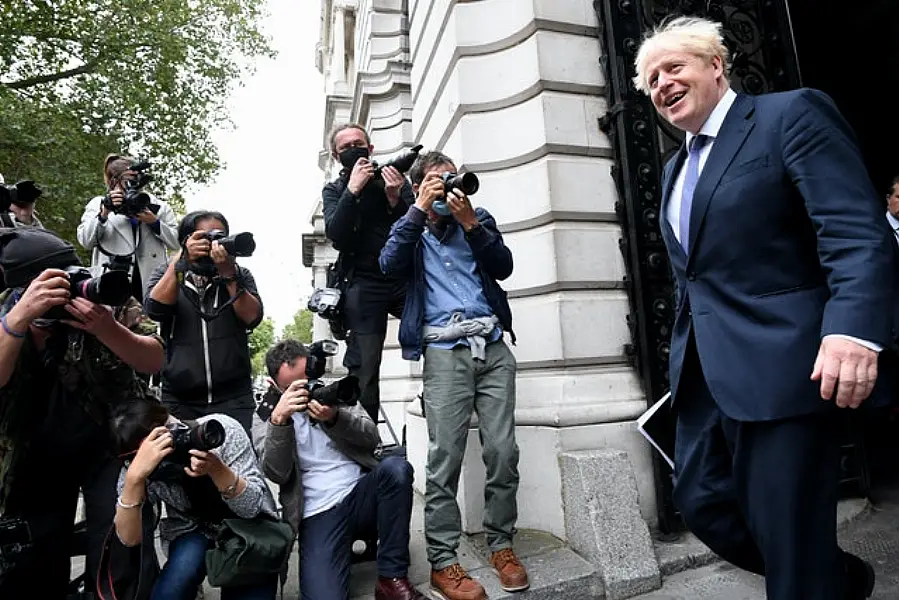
[
  {"x": 342, "y": 392},
  {"x": 401, "y": 163},
  {"x": 466, "y": 182},
  {"x": 22, "y": 193},
  {"x": 15, "y": 543},
  {"x": 112, "y": 288},
  {"x": 187, "y": 436},
  {"x": 239, "y": 244},
  {"x": 135, "y": 199}
]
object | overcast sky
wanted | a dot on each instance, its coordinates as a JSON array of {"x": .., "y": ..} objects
[{"x": 271, "y": 179}]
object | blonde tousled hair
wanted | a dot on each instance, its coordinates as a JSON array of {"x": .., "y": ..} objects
[{"x": 693, "y": 35}]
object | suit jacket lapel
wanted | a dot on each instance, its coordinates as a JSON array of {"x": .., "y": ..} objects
[
  {"x": 736, "y": 127},
  {"x": 669, "y": 177}
]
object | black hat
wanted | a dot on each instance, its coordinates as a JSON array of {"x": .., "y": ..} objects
[{"x": 26, "y": 252}]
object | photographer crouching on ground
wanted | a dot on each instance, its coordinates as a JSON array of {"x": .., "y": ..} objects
[
  {"x": 65, "y": 360},
  {"x": 455, "y": 315},
  {"x": 359, "y": 207},
  {"x": 204, "y": 472},
  {"x": 332, "y": 487},
  {"x": 128, "y": 228},
  {"x": 206, "y": 305}
]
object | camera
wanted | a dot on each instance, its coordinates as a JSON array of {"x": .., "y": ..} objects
[
  {"x": 342, "y": 392},
  {"x": 112, "y": 288},
  {"x": 135, "y": 199},
  {"x": 22, "y": 193},
  {"x": 326, "y": 303},
  {"x": 401, "y": 163},
  {"x": 467, "y": 182},
  {"x": 239, "y": 244},
  {"x": 187, "y": 436}
]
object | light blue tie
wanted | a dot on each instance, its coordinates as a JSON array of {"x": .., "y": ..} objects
[{"x": 690, "y": 179}]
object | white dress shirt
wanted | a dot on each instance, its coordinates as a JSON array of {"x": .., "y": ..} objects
[
  {"x": 894, "y": 225},
  {"x": 710, "y": 128}
]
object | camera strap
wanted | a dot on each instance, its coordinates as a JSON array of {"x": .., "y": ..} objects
[{"x": 6, "y": 219}]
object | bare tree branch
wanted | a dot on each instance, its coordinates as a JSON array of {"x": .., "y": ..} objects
[{"x": 84, "y": 69}]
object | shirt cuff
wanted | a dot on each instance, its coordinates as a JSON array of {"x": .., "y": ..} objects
[{"x": 860, "y": 342}]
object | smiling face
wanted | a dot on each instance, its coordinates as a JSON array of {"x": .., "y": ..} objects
[{"x": 684, "y": 87}]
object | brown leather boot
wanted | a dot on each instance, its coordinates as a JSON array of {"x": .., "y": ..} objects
[
  {"x": 512, "y": 576},
  {"x": 396, "y": 588},
  {"x": 453, "y": 583}
]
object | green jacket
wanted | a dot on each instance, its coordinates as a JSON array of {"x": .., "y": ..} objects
[{"x": 86, "y": 369}]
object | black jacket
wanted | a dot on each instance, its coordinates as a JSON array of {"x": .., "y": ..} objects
[
  {"x": 358, "y": 226},
  {"x": 192, "y": 344}
]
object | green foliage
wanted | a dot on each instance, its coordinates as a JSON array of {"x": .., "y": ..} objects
[
  {"x": 300, "y": 328},
  {"x": 80, "y": 79},
  {"x": 261, "y": 339}
]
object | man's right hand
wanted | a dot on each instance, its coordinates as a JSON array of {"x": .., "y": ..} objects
[
  {"x": 198, "y": 246},
  {"x": 49, "y": 289},
  {"x": 430, "y": 190},
  {"x": 294, "y": 399},
  {"x": 362, "y": 173}
]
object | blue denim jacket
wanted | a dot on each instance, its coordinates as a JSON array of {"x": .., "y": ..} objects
[{"x": 402, "y": 255}]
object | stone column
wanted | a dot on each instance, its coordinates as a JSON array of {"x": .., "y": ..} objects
[
  {"x": 513, "y": 91},
  {"x": 338, "y": 79}
]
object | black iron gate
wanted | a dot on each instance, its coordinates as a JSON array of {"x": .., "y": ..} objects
[{"x": 758, "y": 34}]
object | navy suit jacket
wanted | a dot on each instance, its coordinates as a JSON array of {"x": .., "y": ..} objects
[{"x": 787, "y": 244}]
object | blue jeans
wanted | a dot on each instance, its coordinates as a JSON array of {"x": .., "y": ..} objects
[
  {"x": 379, "y": 506},
  {"x": 185, "y": 571}
]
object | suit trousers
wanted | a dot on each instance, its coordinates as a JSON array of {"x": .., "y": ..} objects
[
  {"x": 455, "y": 386},
  {"x": 762, "y": 495}
]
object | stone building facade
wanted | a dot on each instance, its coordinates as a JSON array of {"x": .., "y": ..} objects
[{"x": 512, "y": 90}]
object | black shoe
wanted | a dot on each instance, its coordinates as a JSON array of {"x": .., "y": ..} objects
[{"x": 859, "y": 578}]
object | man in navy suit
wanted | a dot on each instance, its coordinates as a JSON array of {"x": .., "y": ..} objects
[{"x": 783, "y": 274}]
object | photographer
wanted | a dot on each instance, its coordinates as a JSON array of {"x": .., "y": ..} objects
[
  {"x": 455, "y": 315},
  {"x": 20, "y": 199},
  {"x": 64, "y": 362},
  {"x": 206, "y": 304},
  {"x": 359, "y": 210},
  {"x": 199, "y": 489},
  {"x": 332, "y": 487},
  {"x": 137, "y": 242}
]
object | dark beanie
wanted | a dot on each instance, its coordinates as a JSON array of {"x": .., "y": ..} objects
[{"x": 26, "y": 252}]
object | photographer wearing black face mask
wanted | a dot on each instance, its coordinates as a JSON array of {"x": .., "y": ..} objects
[
  {"x": 360, "y": 207},
  {"x": 65, "y": 361},
  {"x": 206, "y": 305},
  {"x": 120, "y": 236}
]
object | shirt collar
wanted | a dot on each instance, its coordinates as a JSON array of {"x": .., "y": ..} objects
[
  {"x": 713, "y": 124},
  {"x": 894, "y": 222}
]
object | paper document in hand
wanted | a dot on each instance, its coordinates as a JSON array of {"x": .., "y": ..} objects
[{"x": 657, "y": 426}]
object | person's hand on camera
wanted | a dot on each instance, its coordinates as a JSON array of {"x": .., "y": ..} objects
[
  {"x": 430, "y": 190},
  {"x": 361, "y": 174},
  {"x": 322, "y": 413},
  {"x": 116, "y": 195},
  {"x": 153, "y": 449},
  {"x": 198, "y": 246},
  {"x": 146, "y": 217},
  {"x": 294, "y": 399},
  {"x": 91, "y": 317},
  {"x": 393, "y": 183},
  {"x": 49, "y": 289},
  {"x": 460, "y": 207},
  {"x": 204, "y": 463},
  {"x": 224, "y": 262}
]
